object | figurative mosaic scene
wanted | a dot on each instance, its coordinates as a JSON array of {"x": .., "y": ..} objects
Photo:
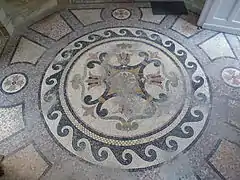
[{"x": 109, "y": 91}]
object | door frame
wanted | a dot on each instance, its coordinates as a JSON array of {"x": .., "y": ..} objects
[
  {"x": 220, "y": 28},
  {"x": 204, "y": 14}
]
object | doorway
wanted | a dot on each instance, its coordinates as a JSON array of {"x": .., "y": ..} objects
[{"x": 195, "y": 6}]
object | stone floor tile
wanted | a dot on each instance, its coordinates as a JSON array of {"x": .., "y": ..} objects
[
  {"x": 191, "y": 18},
  {"x": 148, "y": 16},
  {"x": 234, "y": 113},
  {"x": 226, "y": 160},
  {"x": 178, "y": 168},
  {"x": 3, "y": 41},
  {"x": 185, "y": 28},
  {"x": 53, "y": 26},
  {"x": 234, "y": 42},
  {"x": 11, "y": 120},
  {"x": 25, "y": 164},
  {"x": 73, "y": 170},
  {"x": 123, "y": 96},
  {"x": 217, "y": 47},
  {"x": 27, "y": 51},
  {"x": 20, "y": 11},
  {"x": 88, "y": 16}
]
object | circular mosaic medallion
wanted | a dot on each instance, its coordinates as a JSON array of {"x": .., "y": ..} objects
[
  {"x": 231, "y": 76},
  {"x": 125, "y": 97},
  {"x": 121, "y": 14},
  {"x": 14, "y": 83}
]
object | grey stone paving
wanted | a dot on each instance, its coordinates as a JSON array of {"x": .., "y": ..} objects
[{"x": 35, "y": 147}]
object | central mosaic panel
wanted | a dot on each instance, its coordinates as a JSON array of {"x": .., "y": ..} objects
[
  {"x": 124, "y": 88},
  {"x": 125, "y": 97}
]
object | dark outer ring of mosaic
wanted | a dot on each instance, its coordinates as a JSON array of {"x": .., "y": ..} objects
[{"x": 138, "y": 149}]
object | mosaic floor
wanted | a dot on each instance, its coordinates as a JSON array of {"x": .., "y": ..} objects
[{"x": 109, "y": 91}]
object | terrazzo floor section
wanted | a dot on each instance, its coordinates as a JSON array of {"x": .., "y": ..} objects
[{"x": 110, "y": 91}]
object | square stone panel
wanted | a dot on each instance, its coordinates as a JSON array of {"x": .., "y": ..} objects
[
  {"x": 227, "y": 160},
  {"x": 148, "y": 16},
  {"x": 21, "y": 10},
  {"x": 217, "y": 47},
  {"x": 88, "y": 16},
  {"x": 234, "y": 113},
  {"x": 53, "y": 27},
  {"x": 185, "y": 28},
  {"x": 27, "y": 51},
  {"x": 25, "y": 164},
  {"x": 3, "y": 41},
  {"x": 11, "y": 120}
]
